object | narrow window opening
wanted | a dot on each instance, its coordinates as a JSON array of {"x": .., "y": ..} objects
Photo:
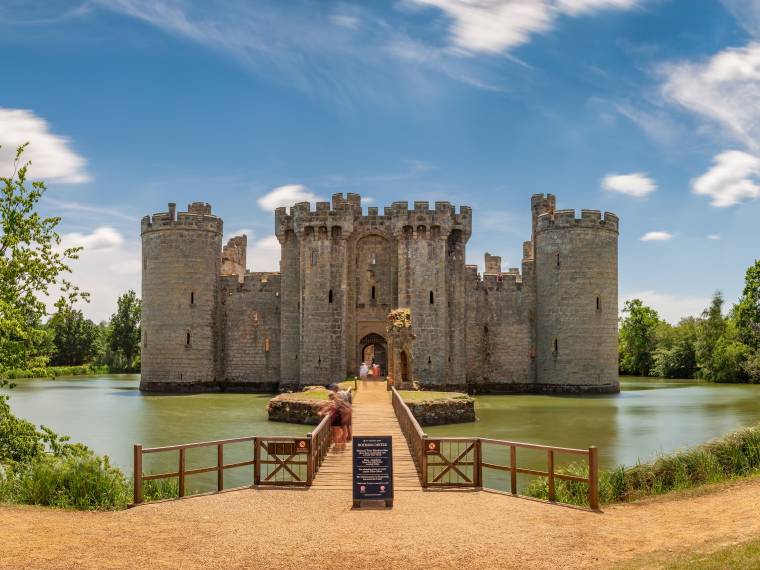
[
  {"x": 556, "y": 345},
  {"x": 373, "y": 292},
  {"x": 266, "y": 344},
  {"x": 313, "y": 257},
  {"x": 373, "y": 258},
  {"x": 187, "y": 338},
  {"x": 598, "y": 304},
  {"x": 429, "y": 361},
  {"x": 192, "y": 297},
  {"x": 330, "y": 296},
  {"x": 557, "y": 259},
  {"x": 432, "y": 298}
]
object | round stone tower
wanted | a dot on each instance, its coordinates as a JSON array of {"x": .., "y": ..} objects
[
  {"x": 181, "y": 255},
  {"x": 576, "y": 302}
]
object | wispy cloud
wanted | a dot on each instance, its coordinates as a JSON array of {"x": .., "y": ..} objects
[
  {"x": 656, "y": 236},
  {"x": 636, "y": 184},
  {"x": 714, "y": 237},
  {"x": 89, "y": 210},
  {"x": 52, "y": 157},
  {"x": 103, "y": 238},
  {"x": 287, "y": 196},
  {"x": 733, "y": 178}
]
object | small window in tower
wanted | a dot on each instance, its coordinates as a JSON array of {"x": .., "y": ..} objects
[
  {"x": 266, "y": 344},
  {"x": 556, "y": 345},
  {"x": 373, "y": 258},
  {"x": 313, "y": 257},
  {"x": 429, "y": 360},
  {"x": 432, "y": 298},
  {"x": 330, "y": 296},
  {"x": 598, "y": 303},
  {"x": 557, "y": 259},
  {"x": 187, "y": 338},
  {"x": 192, "y": 297},
  {"x": 373, "y": 292}
]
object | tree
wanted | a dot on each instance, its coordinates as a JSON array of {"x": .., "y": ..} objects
[
  {"x": 747, "y": 311},
  {"x": 31, "y": 263},
  {"x": 711, "y": 328},
  {"x": 675, "y": 355},
  {"x": 74, "y": 337},
  {"x": 638, "y": 337},
  {"x": 125, "y": 328}
]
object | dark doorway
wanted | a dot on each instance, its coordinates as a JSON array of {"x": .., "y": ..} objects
[{"x": 374, "y": 347}]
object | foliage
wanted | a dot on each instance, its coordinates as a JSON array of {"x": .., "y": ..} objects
[
  {"x": 675, "y": 355},
  {"x": 747, "y": 310},
  {"x": 19, "y": 439},
  {"x": 79, "y": 480},
  {"x": 74, "y": 337},
  {"x": 734, "y": 455},
  {"x": 399, "y": 319},
  {"x": 31, "y": 263},
  {"x": 125, "y": 329},
  {"x": 56, "y": 371},
  {"x": 752, "y": 367},
  {"x": 638, "y": 337},
  {"x": 711, "y": 327}
]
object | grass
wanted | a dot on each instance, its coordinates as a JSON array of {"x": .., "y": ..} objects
[
  {"x": 55, "y": 371},
  {"x": 729, "y": 457},
  {"x": 745, "y": 555},
  {"x": 318, "y": 394},
  {"x": 424, "y": 396}
]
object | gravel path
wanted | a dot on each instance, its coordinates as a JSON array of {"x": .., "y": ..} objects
[{"x": 284, "y": 528}]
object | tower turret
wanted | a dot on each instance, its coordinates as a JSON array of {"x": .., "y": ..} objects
[
  {"x": 576, "y": 300},
  {"x": 181, "y": 254}
]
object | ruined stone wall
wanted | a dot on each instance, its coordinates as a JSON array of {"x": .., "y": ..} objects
[
  {"x": 233, "y": 256},
  {"x": 181, "y": 256},
  {"x": 251, "y": 332},
  {"x": 577, "y": 287}
]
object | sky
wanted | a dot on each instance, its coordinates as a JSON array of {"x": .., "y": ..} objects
[{"x": 646, "y": 108}]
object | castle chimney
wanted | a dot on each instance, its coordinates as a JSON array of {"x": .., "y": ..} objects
[
  {"x": 172, "y": 211},
  {"x": 493, "y": 264}
]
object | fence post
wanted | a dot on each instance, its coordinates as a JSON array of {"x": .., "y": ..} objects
[
  {"x": 513, "y": 465},
  {"x": 310, "y": 461},
  {"x": 220, "y": 468},
  {"x": 181, "y": 471},
  {"x": 593, "y": 478},
  {"x": 424, "y": 463},
  {"x": 478, "y": 463},
  {"x": 256, "y": 461},
  {"x": 550, "y": 469},
  {"x": 137, "y": 475}
]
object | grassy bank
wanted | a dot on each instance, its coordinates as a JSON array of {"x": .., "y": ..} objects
[
  {"x": 55, "y": 371},
  {"x": 734, "y": 455},
  {"x": 429, "y": 395},
  {"x": 745, "y": 555}
]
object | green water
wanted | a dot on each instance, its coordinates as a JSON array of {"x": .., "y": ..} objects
[{"x": 648, "y": 417}]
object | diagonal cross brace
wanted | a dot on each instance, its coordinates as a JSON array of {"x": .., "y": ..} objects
[{"x": 453, "y": 465}]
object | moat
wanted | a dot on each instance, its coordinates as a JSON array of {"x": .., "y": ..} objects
[{"x": 649, "y": 416}]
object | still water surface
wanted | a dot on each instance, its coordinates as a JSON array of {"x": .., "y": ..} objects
[{"x": 648, "y": 417}]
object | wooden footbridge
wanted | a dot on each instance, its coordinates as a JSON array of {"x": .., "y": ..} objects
[{"x": 419, "y": 462}]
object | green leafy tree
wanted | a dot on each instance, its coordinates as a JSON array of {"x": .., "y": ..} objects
[
  {"x": 74, "y": 337},
  {"x": 729, "y": 356},
  {"x": 747, "y": 311},
  {"x": 638, "y": 337},
  {"x": 31, "y": 263},
  {"x": 125, "y": 328},
  {"x": 675, "y": 355},
  {"x": 711, "y": 328}
]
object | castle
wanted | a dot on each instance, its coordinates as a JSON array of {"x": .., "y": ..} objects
[{"x": 209, "y": 324}]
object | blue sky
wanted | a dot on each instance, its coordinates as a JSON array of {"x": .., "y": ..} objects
[{"x": 646, "y": 108}]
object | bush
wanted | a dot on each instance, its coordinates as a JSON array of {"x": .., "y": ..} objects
[
  {"x": 55, "y": 371},
  {"x": 734, "y": 455},
  {"x": 81, "y": 481}
]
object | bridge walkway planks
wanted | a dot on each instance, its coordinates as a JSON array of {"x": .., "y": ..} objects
[{"x": 372, "y": 415}]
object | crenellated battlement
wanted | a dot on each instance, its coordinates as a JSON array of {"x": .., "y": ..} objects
[
  {"x": 512, "y": 280},
  {"x": 260, "y": 281},
  {"x": 197, "y": 217},
  {"x": 344, "y": 214},
  {"x": 567, "y": 219}
]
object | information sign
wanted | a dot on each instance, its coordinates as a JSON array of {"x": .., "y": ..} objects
[{"x": 373, "y": 469}]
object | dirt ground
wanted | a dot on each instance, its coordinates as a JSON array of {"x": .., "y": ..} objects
[{"x": 285, "y": 528}]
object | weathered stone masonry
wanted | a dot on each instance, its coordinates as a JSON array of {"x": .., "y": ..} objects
[{"x": 549, "y": 326}]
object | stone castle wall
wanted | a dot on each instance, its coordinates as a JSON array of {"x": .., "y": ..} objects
[{"x": 536, "y": 328}]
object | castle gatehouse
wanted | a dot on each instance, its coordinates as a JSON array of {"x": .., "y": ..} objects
[{"x": 210, "y": 324}]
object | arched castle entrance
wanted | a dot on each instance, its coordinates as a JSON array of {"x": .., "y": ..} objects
[{"x": 374, "y": 346}]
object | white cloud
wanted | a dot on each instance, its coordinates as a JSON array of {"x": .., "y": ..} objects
[
  {"x": 656, "y": 236},
  {"x": 637, "y": 184},
  {"x": 732, "y": 179},
  {"x": 345, "y": 21},
  {"x": 51, "y": 155},
  {"x": 286, "y": 196},
  {"x": 497, "y": 26},
  {"x": 264, "y": 255},
  {"x": 103, "y": 238},
  {"x": 714, "y": 237},
  {"x": 672, "y": 308},
  {"x": 724, "y": 89}
]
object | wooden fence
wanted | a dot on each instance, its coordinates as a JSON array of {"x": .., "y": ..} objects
[
  {"x": 461, "y": 461},
  {"x": 274, "y": 460}
]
